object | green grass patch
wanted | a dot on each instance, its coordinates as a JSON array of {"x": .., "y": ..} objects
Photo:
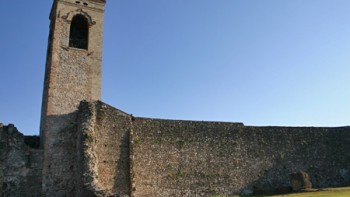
[
  {"x": 332, "y": 192},
  {"x": 328, "y": 192}
]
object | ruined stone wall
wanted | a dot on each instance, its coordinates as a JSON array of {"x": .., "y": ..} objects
[
  {"x": 20, "y": 164},
  {"x": 153, "y": 157},
  {"x": 114, "y": 153},
  {"x": 104, "y": 141},
  {"x": 186, "y": 158}
]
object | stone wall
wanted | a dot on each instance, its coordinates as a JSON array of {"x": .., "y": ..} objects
[
  {"x": 104, "y": 141},
  {"x": 20, "y": 164},
  {"x": 194, "y": 158},
  {"x": 186, "y": 158},
  {"x": 111, "y": 153}
]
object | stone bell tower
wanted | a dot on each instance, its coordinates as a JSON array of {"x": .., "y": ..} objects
[{"x": 73, "y": 74}]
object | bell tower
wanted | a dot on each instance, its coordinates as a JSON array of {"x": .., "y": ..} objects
[{"x": 73, "y": 74}]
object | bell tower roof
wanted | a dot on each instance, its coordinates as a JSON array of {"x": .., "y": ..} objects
[{"x": 89, "y": 4}]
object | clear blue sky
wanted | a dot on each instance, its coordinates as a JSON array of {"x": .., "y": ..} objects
[{"x": 260, "y": 62}]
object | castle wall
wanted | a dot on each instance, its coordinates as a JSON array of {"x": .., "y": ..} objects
[
  {"x": 113, "y": 153},
  {"x": 20, "y": 165},
  {"x": 153, "y": 157},
  {"x": 104, "y": 141},
  {"x": 186, "y": 158}
]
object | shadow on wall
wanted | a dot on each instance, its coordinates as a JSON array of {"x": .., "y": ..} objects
[
  {"x": 321, "y": 152},
  {"x": 122, "y": 170},
  {"x": 61, "y": 164},
  {"x": 104, "y": 142},
  {"x": 21, "y": 164}
]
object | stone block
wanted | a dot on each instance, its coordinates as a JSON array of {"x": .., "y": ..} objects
[{"x": 300, "y": 181}]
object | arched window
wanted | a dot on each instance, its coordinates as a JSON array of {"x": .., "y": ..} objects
[{"x": 79, "y": 32}]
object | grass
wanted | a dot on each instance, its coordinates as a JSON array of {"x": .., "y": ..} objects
[
  {"x": 332, "y": 192},
  {"x": 329, "y": 192}
]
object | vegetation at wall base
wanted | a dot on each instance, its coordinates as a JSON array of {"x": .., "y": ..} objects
[{"x": 328, "y": 192}]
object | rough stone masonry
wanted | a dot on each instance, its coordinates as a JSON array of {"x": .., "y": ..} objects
[
  {"x": 88, "y": 148},
  {"x": 116, "y": 153}
]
